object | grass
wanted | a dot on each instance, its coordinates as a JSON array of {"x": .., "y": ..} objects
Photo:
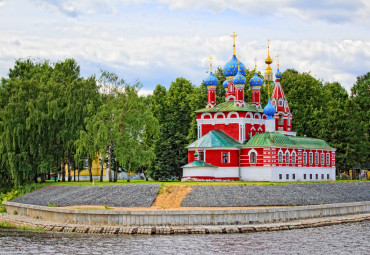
[{"x": 5, "y": 224}]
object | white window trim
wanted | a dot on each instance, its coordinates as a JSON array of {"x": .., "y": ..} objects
[
  {"x": 322, "y": 158},
  {"x": 310, "y": 158},
  {"x": 316, "y": 161},
  {"x": 304, "y": 158},
  {"x": 328, "y": 159},
  {"x": 282, "y": 155},
  {"x": 287, "y": 161},
  {"x": 249, "y": 156}
]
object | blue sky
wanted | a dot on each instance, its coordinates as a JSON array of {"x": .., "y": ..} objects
[{"x": 157, "y": 41}]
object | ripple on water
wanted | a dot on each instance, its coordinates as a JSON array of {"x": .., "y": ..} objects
[{"x": 349, "y": 238}]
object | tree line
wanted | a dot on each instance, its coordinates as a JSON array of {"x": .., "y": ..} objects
[{"x": 50, "y": 117}]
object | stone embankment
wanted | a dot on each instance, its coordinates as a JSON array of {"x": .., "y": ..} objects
[{"x": 16, "y": 220}]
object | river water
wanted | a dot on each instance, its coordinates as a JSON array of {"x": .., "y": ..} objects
[{"x": 351, "y": 238}]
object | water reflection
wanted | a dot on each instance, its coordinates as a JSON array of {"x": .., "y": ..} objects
[{"x": 338, "y": 239}]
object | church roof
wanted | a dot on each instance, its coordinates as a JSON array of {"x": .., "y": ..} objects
[
  {"x": 198, "y": 163},
  {"x": 214, "y": 138},
  {"x": 229, "y": 107},
  {"x": 272, "y": 139}
]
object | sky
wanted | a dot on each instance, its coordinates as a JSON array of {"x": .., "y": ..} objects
[{"x": 155, "y": 42}]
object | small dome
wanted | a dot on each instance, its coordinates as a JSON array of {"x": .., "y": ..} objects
[
  {"x": 225, "y": 84},
  {"x": 239, "y": 79},
  {"x": 269, "y": 110},
  {"x": 278, "y": 74},
  {"x": 268, "y": 60},
  {"x": 255, "y": 81},
  {"x": 231, "y": 67},
  {"x": 211, "y": 80}
]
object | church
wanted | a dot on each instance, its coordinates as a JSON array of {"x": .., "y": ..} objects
[{"x": 243, "y": 141}]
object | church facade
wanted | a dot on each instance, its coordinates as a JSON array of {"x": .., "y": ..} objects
[{"x": 243, "y": 141}]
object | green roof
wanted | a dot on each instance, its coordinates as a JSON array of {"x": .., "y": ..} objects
[
  {"x": 214, "y": 138},
  {"x": 279, "y": 140},
  {"x": 229, "y": 107},
  {"x": 198, "y": 163}
]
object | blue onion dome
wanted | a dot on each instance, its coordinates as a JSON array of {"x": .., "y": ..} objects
[
  {"x": 278, "y": 74},
  {"x": 211, "y": 80},
  {"x": 225, "y": 84},
  {"x": 239, "y": 79},
  {"x": 269, "y": 110},
  {"x": 255, "y": 81},
  {"x": 231, "y": 67}
]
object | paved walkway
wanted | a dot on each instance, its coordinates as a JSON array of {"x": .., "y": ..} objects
[{"x": 168, "y": 230}]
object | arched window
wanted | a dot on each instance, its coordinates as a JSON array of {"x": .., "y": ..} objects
[
  {"x": 281, "y": 120},
  {"x": 293, "y": 158},
  {"x": 287, "y": 157},
  {"x": 280, "y": 157},
  {"x": 253, "y": 158},
  {"x": 289, "y": 121}
]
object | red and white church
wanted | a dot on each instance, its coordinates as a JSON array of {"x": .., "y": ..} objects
[{"x": 242, "y": 141}]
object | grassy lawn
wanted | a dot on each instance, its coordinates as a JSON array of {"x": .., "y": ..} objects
[{"x": 169, "y": 183}]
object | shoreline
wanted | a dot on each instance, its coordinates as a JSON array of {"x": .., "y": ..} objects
[{"x": 22, "y": 221}]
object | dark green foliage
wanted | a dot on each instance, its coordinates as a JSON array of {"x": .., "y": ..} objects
[
  {"x": 43, "y": 106},
  {"x": 174, "y": 114}
]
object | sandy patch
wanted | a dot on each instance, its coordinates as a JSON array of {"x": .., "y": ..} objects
[{"x": 171, "y": 196}]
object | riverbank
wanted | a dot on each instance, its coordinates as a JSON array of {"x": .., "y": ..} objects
[{"x": 22, "y": 221}]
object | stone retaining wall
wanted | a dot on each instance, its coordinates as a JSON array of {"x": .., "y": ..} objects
[
  {"x": 182, "y": 218},
  {"x": 21, "y": 221}
]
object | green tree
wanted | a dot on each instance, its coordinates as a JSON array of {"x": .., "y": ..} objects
[{"x": 170, "y": 147}]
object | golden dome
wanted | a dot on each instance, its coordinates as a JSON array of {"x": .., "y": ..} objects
[{"x": 268, "y": 60}]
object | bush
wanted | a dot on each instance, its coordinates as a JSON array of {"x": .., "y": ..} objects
[{"x": 17, "y": 192}]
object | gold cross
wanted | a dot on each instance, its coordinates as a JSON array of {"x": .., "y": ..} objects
[
  {"x": 363, "y": 74},
  {"x": 234, "y": 36},
  {"x": 210, "y": 62},
  {"x": 255, "y": 64},
  {"x": 277, "y": 58}
]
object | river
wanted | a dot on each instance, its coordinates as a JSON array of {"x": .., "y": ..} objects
[{"x": 351, "y": 238}]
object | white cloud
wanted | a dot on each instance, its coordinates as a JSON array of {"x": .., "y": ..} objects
[
  {"x": 156, "y": 60},
  {"x": 75, "y": 8}
]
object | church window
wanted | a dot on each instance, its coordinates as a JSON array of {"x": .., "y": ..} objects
[
  {"x": 328, "y": 159},
  {"x": 293, "y": 177},
  {"x": 281, "y": 120},
  {"x": 250, "y": 134},
  {"x": 310, "y": 176},
  {"x": 305, "y": 176},
  {"x": 289, "y": 121},
  {"x": 322, "y": 176},
  {"x": 280, "y": 102},
  {"x": 304, "y": 158},
  {"x": 280, "y": 176},
  {"x": 201, "y": 155},
  {"x": 293, "y": 158},
  {"x": 322, "y": 159},
  {"x": 311, "y": 158},
  {"x": 280, "y": 157},
  {"x": 225, "y": 157},
  {"x": 253, "y": 158},
  {"x": 287, "y": 158},
  {"x": 316, "y": 158},
  {"x": 317, "y": 176},
  {"x": 287, "y": 176},
  {"x": 327, "y": 176}
]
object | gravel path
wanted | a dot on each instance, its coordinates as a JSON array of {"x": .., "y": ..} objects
[
  {"x": 292, "y": 194},
  {"x": 110, "y": 195}
]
